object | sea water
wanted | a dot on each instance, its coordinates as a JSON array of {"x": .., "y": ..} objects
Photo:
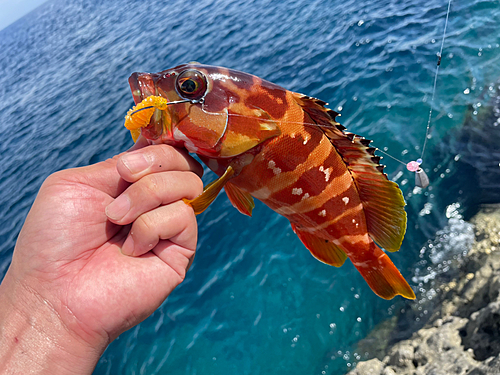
[{"x": 255, "y": 301}]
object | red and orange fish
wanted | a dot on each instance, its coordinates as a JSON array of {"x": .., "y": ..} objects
[{"x": 285, "y": 149}]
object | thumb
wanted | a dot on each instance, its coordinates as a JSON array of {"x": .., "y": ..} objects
[{"x": 104, "y": 175}]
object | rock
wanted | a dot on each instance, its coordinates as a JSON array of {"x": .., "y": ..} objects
[
  {"x": 482, "y": 332},
  {"x": 462, "y": 334},
  {"x": 402, "y": 356},
  {"x": 371, "y": 367},
  {"x": 388, "y": 371}
]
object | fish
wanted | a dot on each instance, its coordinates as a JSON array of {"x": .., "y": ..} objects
[{"x": 285, "y": 149}]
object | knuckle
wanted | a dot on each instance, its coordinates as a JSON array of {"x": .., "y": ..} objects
[
  {"x": 144, "y": 223},
  {"x": 55, "y": 178},
  {"x": 152, "y": 188},
  {"x": 152, "y": 183},
  {"x": 61, "y": 177},
  {"x": 166, "y": 153}
]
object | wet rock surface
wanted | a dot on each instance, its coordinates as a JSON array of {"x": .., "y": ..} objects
[{"x": 462, "y": 333}]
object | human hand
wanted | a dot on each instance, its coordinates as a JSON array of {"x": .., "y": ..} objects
[{"x": 102, "y": 247}]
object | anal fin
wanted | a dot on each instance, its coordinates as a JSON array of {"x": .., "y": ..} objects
[
  {"x": 201, "y": 202},
  {"x": 323, "y": 250},
  {"x": 240, "y": 199}
]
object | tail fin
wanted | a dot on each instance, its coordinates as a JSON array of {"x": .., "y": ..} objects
[{"x": 382, "y": 275}]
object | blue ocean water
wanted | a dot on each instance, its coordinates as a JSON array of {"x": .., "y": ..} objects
[{"x": 254, "y": 301}]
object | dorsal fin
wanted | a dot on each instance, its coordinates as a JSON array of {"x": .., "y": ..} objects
[{"x": 382, "y": 200}]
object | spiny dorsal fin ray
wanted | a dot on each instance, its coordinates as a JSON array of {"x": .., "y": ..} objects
[{"x": 382, "y": 200}]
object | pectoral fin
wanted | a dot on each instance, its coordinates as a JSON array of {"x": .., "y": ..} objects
[
  {"x": 325, "y": 251},
  {"x": 240, "y": 199},
  {"x": 201, "y": 202}
]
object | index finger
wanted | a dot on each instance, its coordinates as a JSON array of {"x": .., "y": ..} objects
[{"x": 136, "y": 164}]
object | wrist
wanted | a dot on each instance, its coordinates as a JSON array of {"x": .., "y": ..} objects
[{"x": 34, "y": 338}]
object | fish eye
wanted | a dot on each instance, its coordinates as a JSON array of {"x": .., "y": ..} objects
[{"x": 191, "y": 84}]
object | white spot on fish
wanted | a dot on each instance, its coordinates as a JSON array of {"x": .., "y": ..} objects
[
  {"x": 326, "y": 172},
  {"x": 307, "y": 138},
  {"x": 354, "y": 220},
  {"x": 361, "y": 264},
  {"x": 322, "y": 213},
  {"x": 346, "y": 200},
  {"x": 224, "y": 77},
  {"x": 296, "y": 191},
  {"x": 305, "y": 196},
  {"x": 272, "y": 165}
]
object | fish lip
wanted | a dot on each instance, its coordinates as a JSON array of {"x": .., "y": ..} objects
[
  {"x": 133, "y": 82},
  {"x": 142, "y": 85}
]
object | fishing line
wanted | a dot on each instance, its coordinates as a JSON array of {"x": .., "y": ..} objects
[
  {"x": 421, "y": 179},
  {"x": 440, "y": 54},
  {"x": 399, "y": 161},
  {"x": 166, "y": 103}
]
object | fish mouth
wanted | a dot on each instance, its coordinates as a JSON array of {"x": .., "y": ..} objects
[
  {"x": 142, "y": 85},
  {"x": 159, "y": 127}
]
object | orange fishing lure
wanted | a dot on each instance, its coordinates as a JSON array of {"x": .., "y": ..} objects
[{"x": 287, "y": 150}]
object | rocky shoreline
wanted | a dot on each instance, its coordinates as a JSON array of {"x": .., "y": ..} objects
[{"x": 461, "y": 334}]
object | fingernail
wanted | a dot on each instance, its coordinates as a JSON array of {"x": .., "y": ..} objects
[
  {"x": 128, "y": 246},
  {"x": 135, "y": 162},
  {"x": 117, "y": 209}
]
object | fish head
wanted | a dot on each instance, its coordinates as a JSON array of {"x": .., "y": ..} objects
[{"x": 210, "y": 111}]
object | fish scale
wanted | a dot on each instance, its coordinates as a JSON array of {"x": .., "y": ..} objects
[{"x": 287, "y": 150}]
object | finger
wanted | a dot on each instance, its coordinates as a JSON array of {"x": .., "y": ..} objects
[
  {"x": 152, "y": 191},
  {"x": 102, "y": 176},
  {"x": 155, "y": 158},
  {"x": 175, "y": 222},
  {"x": 178, "y": 258}
]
